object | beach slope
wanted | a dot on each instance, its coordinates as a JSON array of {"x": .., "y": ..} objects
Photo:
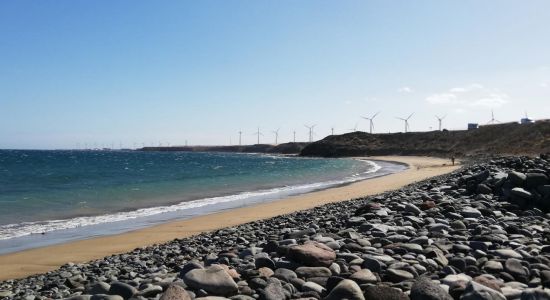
[{"x": 40, "y": 260}]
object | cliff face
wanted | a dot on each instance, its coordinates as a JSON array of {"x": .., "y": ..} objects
[{"x": 507, "y": 138}]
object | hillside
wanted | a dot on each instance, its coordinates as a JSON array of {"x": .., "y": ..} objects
[
  {"x": 285, "y": 148},
  {"x": 509, "y": 138}
]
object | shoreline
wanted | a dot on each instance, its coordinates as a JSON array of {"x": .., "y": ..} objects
[
  {"x": 143, "y": 217},
  {"x": 34, "y": 261}
]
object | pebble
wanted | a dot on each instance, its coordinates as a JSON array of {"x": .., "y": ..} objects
[
  {"x": 175, "y": 292},
  {"x": 425, "y": 289},
  {"x": 476, "y": 291}
]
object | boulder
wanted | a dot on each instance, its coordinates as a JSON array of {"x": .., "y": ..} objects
[
  {"x": 273, "y": 291},
  {"x": 213, "y": 279},
  {"x": 346, "y": 289},
  {"x": 175, "y": 292},
  {"x": 122, "y": 289},
  {"x": 312, "y": 254}
]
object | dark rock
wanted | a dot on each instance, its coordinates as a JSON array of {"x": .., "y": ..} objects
[
  {"x": 188, "y": 267},
  {"x": 517, "y": 178},
  {"x": 273, "y": 291},
  {"x": 535, "y": 294},
  {"x": 409, "y": 207},
  {"x": 385, "y": 292},
  {"x": 122, "y": 289},
  {"x": 533, "y": 180},
  {"x": 425, "y": 289}
]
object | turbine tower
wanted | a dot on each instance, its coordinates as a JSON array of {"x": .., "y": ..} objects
[
  {"x": 294, "y": 136},
  {"x": 310, "y": 131},
  {"x": 354, "y": 129},
  {"x": 371, "y": 123},
  {"x": 258, "y": 133},
  {"x": 440, "y": 119},
  {"x": 240, "y": 135},
  {"x": 332, "y": 131},
  {"x": 276, "y": 132},
  {"x": 493, "y": 120},
  {"x": 406, "y": 120}
]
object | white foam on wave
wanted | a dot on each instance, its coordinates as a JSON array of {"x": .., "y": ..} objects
[{"x": 11, "y": 231}]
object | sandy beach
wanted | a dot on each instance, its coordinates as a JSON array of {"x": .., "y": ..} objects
[{"x": 39, "y": 260}]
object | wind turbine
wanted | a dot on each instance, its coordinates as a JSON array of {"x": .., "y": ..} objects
[
  {"x": 354, "y": 129},
  {"x": 332, "y": 131},
  {"x": 276, "y": 132},
  {"x": 258, "y": 133},
  {"x": 493, "y": 120},
  {"x": 406, "y": 120},
  {"x": 371, "y": 123},
  {"x": 294, "y": 136},
  {"x": 240, "y": 135},
  {"x": 310, "y": 131},
  {"x": 440, "y": 120}
]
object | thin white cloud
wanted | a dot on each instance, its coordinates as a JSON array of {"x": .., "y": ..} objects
[
  {"x": 544, "y": 85},
  {"x": 405, "y": 90},
  {"x": 443, "y": 98},
  {"x": 493, "y": 100},
  {"x": 473, "y": 95},
  {"x": 469, "y": 88}
]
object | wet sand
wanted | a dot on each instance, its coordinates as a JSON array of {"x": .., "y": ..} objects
[{"x": 40, "y": 260}]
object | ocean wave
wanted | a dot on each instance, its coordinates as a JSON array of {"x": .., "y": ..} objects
[{"x": 11, "y": 231}]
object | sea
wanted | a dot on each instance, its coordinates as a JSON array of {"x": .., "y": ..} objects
[{"x": 50, "y": 197}]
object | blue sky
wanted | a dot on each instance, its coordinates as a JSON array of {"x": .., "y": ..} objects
[{"x": 133, "y": 72}]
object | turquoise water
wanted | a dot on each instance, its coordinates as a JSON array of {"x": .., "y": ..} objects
[{"x": 47, "y": 191}]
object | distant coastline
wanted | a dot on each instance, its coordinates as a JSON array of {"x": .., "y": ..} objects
[{"x": 284, "y": 148}]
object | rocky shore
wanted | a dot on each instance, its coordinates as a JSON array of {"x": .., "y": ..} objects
[{"x": 479, "y": 233}]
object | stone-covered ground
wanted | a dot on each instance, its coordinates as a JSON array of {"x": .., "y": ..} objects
[{"x": 479, "y": 233}]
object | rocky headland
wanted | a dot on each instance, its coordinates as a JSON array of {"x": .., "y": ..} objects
[
  {"x": 497, "y": 139},
  {"x": 481, "y": 232}
]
